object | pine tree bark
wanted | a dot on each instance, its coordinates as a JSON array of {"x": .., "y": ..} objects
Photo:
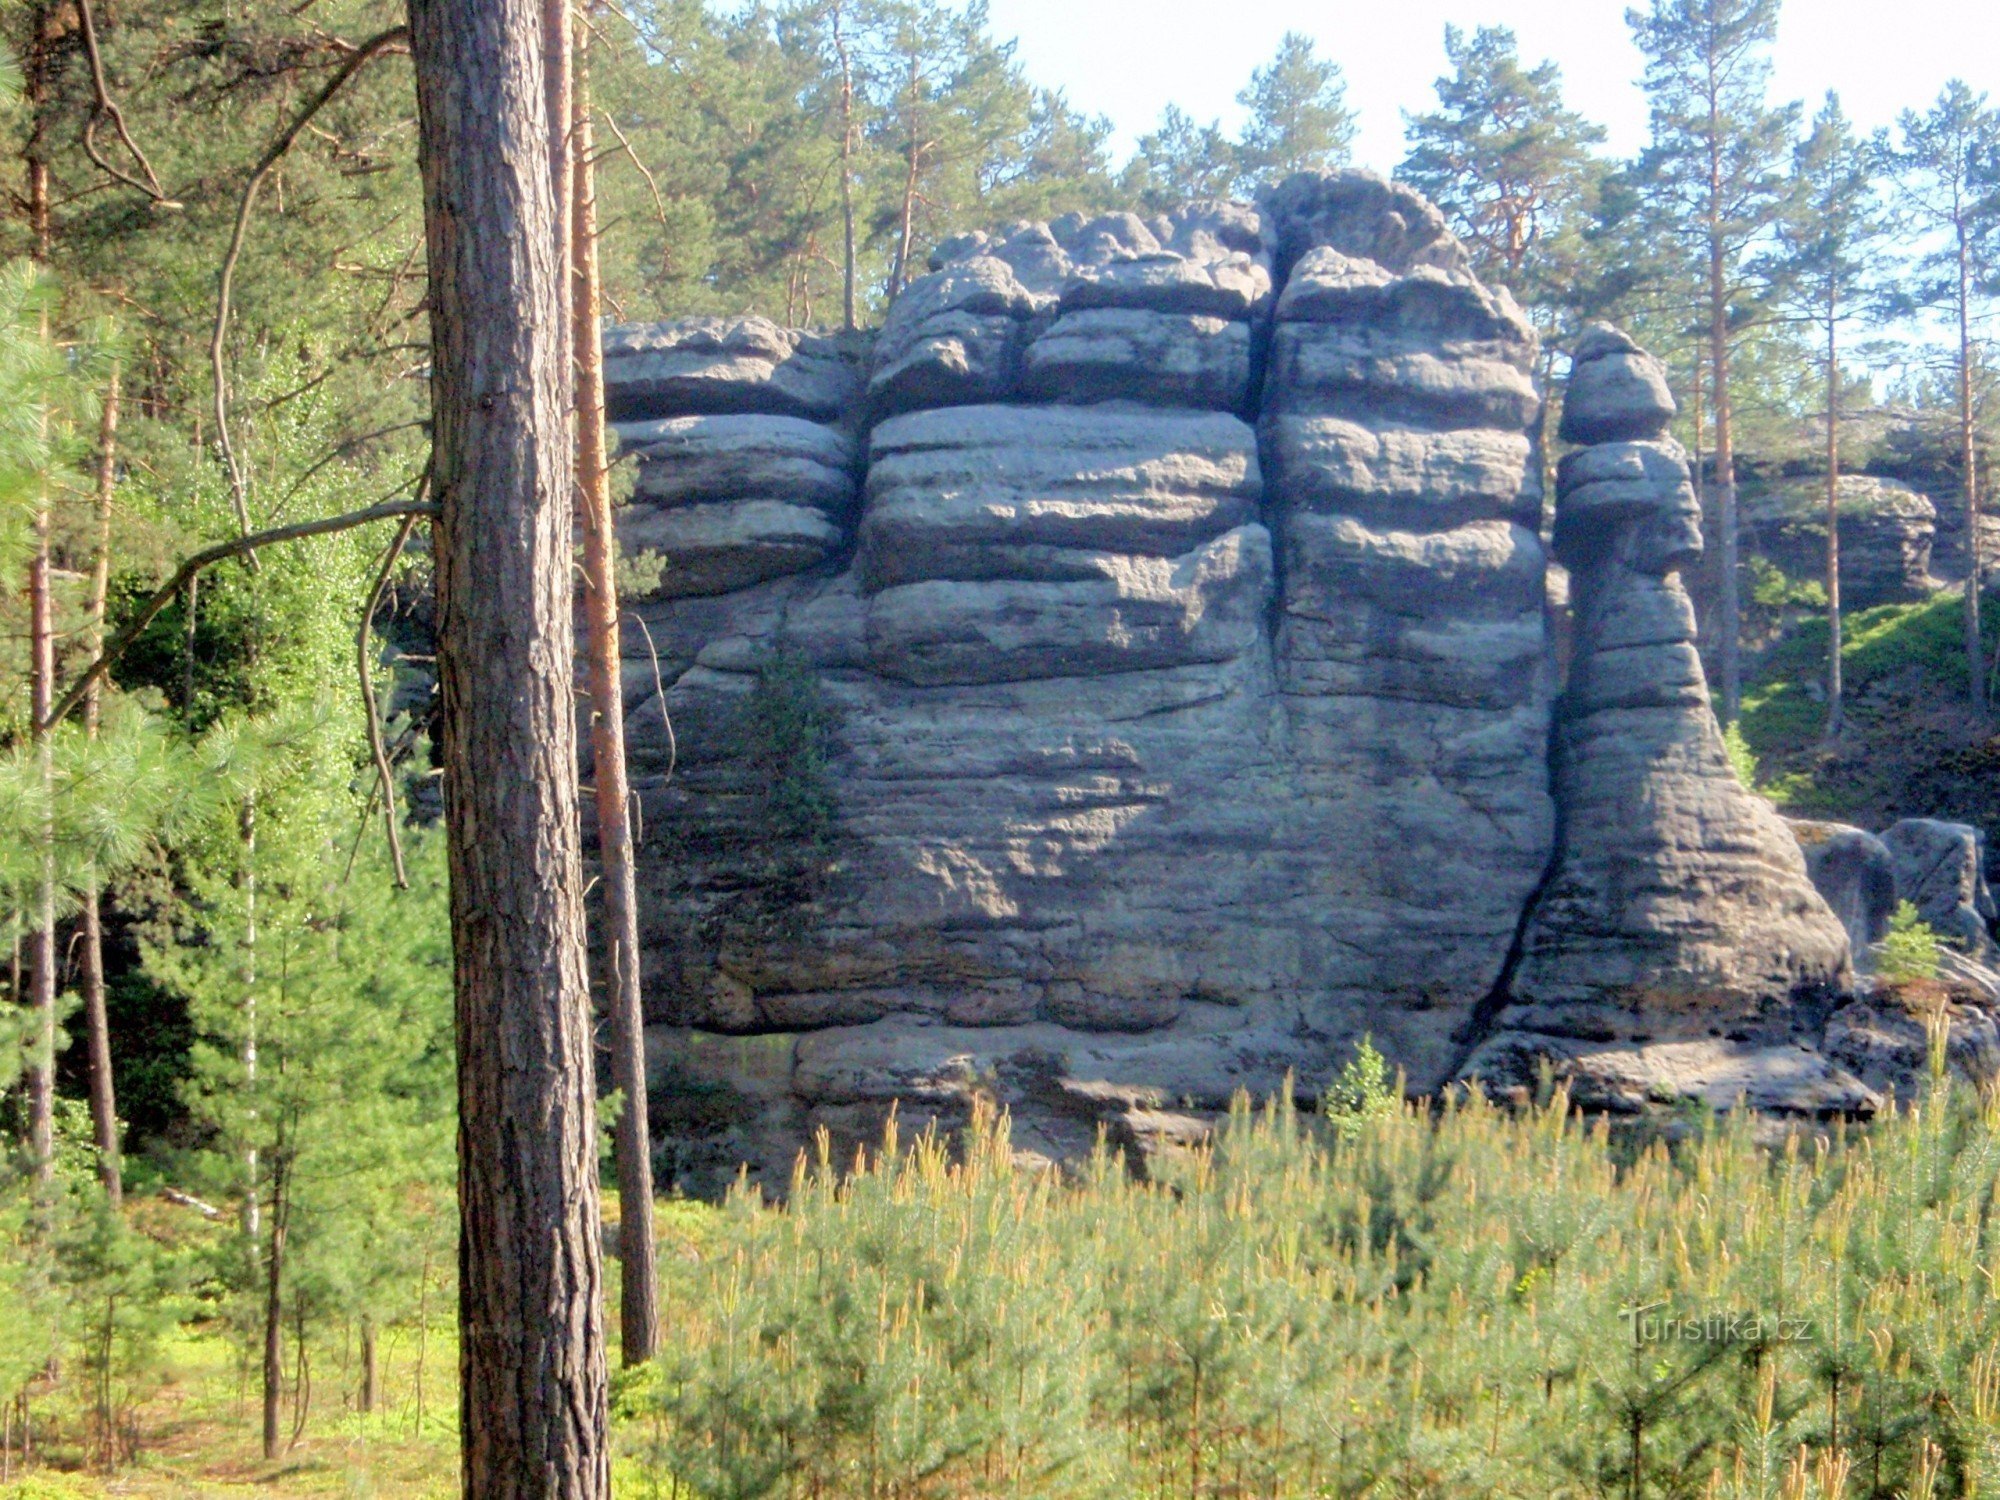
[
  {"x": 1975, "y": 656},
  {"x": 846, "y": 168},
  {"x": 639, "y": 1314},
  {"x": 1835, "y": 705},
  {"x": 274, "y": 1303},
  {"x": 532, "y": 1404},
  {"x": 371, "y": 1380},
  {"x": 97, "y": 1025},
  {"x": 1729, "y": 614},
  {"x": 40, "y": 1063}
]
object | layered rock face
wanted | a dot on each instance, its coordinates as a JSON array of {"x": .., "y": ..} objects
[
  {"x": 1679, "y": 916},
  {"x": 1886, "y": 534},
  {"x": 1128, "y": 681}
]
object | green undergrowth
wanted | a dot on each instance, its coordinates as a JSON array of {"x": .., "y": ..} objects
[
  {"x": 1908, "y": 748},
  {"x": 1467, "y": 1301}
]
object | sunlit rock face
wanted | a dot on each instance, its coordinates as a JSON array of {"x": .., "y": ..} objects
[
  {"x": 1679, "y": 908},
  {"x": 1122, "y": 681}
]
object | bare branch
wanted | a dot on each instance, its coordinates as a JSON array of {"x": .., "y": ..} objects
[
  {"x": 396, "y": 38},
  {"x": 104, "y": 107},
  {"x": 364, "y": 666},
  {"x": 659, "y": 203},
  {"x": 188, "y": 571}
]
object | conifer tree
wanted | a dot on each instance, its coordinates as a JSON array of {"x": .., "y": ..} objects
[
  {"x": 1182, "y": 162},
  {"x": 1830, "y": 246},
  {"x": 1510, "y": 164},
  {"x": 1947, "y": 174},
  {"x": 1716, "y": 173},
  {"x": 1298, "y": 115}
]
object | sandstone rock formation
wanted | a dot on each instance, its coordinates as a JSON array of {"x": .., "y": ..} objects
[
  {"x": 1886, "y": 534},
  {"x": 1941, "y": 870},
  {"x": 1129, "y": 681},
  {"x": 1856, "y": 874},
  {"x": 1678, "y": 915}
]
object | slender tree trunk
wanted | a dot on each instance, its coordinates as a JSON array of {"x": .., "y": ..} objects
[
  {"x": 846, "y": 169},
  {"x": 274, "y": 1302},
  {"x": 1834, "y": 701},
  {"x": 639, "y": 1314},
  {"x": 1975, "y": 656},
  {"x": 247, "y": 828},
  {"x": 1728, "y": 608},
  {"x": 103, "y": 1091},
  {"x": 40, "y": 1066},
  {"x": 42, "y": 937},
  {"x": 371, "y": 1387},
  {"x": 532, "y": 1405}
]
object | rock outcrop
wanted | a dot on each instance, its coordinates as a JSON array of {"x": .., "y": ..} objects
[
  {"x": 1886, "y": 533},
  {"x": 1129, "y": 681},
  {"x": 1678, "y": 917},
  {"x": 1940, "y": 869},
  {"x": 1856, "y": 874}
]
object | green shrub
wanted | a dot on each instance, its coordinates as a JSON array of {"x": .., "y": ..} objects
[{"x": 1910, "y": 951}]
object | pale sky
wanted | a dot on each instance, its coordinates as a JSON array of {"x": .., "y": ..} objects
[{"x": 1129, "y": 59}]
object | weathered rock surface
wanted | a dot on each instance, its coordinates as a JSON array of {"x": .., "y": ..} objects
[
  {"x": 1678, "y": 934},
  {"x": 1941, "y": 871},
  {"x": 1067, "y": 742},
  {"x": 1617, "y": 391},
  {"x": 701, "y": 365},
  {"x": 1110, "y": 308},
  {"x": 1886, "y": 535},
  {"x": 1856, "y": 874}
]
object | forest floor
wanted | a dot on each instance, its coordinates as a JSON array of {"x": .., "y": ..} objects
[{"x": 196, "y": 1434}]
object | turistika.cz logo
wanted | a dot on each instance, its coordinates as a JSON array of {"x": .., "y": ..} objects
[{"x": 1656, "y": 1324}]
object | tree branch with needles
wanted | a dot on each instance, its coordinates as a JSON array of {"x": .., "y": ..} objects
[
  {"x": 395, "y": 39},
  {"x": 160, "y": 598}
]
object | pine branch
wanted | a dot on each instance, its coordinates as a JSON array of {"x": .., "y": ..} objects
[
  {"x": 396, "y": 38},
  {"x": 161, "y": 597},
  {"x": 104, "y": 107}
]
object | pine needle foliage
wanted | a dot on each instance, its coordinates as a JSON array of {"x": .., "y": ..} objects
[{"x": 1406, "y": 1301}]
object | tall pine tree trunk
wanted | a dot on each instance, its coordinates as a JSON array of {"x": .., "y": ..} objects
[
  {"x": 40, "y": 1063},
  {"x": 97, "y": 1025},
  {"x": 532, "y": 1405},
  {"x": 1728, "y": 608},
  {"x": 846, "y": 169},
  {"x": 639, "y": 1312},
  {"x": 1834, "y": 700},
  {"x": 1968, "y": 456}
]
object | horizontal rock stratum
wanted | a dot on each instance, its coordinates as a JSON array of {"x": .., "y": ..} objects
[{"x": 1126, "y": 679}]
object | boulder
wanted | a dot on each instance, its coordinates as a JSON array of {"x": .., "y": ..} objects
[
  {"x": 1617, "y": 391},
  {"x": 1941, "y": 871},
  {"x": 714, "y": 365},
  {"x": 1856, "y": 874},
  {"x": 1081, "y": 309},
  {"x": 688, "y": 460},
  {"x": 713, "y": 549}
]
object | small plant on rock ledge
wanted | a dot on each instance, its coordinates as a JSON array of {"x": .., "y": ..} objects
[
  {"x": 1910, "y": 950},
  {"x": 784, "y": 737}
]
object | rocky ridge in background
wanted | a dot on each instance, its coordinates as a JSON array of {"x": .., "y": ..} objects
[{"x": 1127, "y": 680}]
